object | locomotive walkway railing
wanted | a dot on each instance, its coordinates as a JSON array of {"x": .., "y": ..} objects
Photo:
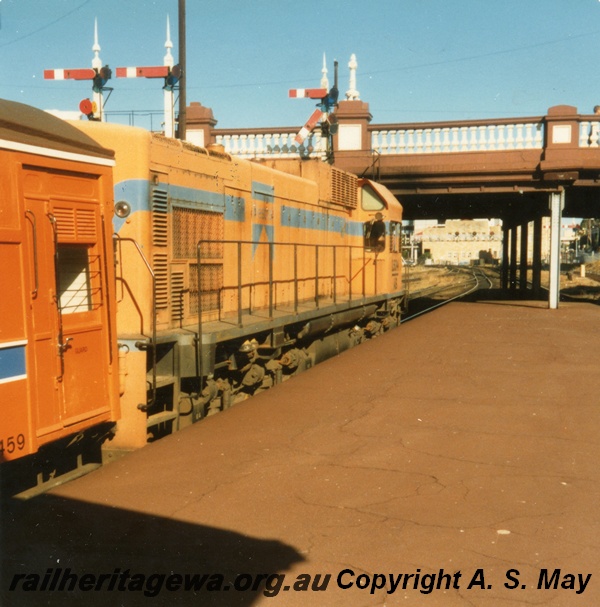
[
  {"x": 118, "y": 240},
  {"x": 316, "y": 269},
  {"x": 317, "y": 266}
]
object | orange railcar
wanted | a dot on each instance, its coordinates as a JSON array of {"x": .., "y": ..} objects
[{"x": 58, "y": 356}]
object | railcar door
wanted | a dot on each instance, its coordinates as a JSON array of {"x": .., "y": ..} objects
[{"x": 71, "y": 327}]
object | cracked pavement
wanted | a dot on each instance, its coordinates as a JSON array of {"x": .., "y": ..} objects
[{"x": 466, "y": 440}]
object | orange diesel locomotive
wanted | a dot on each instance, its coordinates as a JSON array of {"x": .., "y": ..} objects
[
  {"x": 224, "y": 277},
  {"x": 233, "y": 275},
  {"x": 58, "y": 353}
]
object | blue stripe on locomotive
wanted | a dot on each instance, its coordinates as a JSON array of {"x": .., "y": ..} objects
[
  {"x": 12, "y": 363},
  {"x": 294, "y": 217},
  {"x": 137, "y": 193},
  {"x": 263, "y": 192}
]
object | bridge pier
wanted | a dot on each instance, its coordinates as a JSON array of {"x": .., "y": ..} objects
[
  {"x": 505, "y": 256},
  {"x": 515, "y": 253},
  {"x": 536, "y": 268},
  {"x": 509, "y": 257},
  {"x": 557, "y": 203},
  {"x": 524, "y": 233}
]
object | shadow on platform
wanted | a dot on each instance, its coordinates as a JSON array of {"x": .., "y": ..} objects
[{"x": 142, "y": 557}]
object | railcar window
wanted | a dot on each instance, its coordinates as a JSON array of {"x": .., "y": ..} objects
[
  {"x": 74, "y": 279},
  {"x": 370, "y": 201}
]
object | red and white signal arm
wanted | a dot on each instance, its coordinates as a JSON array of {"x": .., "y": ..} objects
[
  {"x": 159, "y": 71},
  {"x": 307, "y": 93},
  {"x": 310, "y": 124},
  {"x": 76, "y": 74}
]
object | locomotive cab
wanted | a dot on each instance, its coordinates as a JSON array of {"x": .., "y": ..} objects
[{"x": 381, "y": 214}]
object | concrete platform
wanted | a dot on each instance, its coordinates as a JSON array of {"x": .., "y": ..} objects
[{"x": 462, "y": 448}]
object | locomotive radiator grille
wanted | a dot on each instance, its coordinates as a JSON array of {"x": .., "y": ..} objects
[
  {"x": 212, "y": 283},
  {"x": 344, "y": 188},
  {"x": 189, "y": 227},
  {"x": 159, "y": 263},
  {"x": 177, "y": 295},
  {"x": 159, "y": 240}
]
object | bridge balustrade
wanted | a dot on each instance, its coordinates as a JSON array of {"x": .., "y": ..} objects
[
  {"x": 271, "y": 144},
  {"x": 589, "y": 133},
  {"x": 469, "y": 137},
  {"x": 405, "y": 139}
]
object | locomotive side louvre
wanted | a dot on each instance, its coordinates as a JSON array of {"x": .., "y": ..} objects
[
  {"x": 232, "y": 275},
  {"x": 58, "y": 360}
]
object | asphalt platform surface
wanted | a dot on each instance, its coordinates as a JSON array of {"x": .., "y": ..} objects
[{"x": 452, "y": 462}]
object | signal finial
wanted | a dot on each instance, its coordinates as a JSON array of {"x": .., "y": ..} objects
[
  {"x": 352, "y": 93},
  {"x": 169, "y": 61},
  {"x": 96, "y": 61},
  {"x": 324, "y": 79}
]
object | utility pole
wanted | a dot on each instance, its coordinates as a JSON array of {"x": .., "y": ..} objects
[{"x": 181, "y": 131}]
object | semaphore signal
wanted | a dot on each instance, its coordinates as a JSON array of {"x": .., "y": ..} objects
[
  {"x": 171, "y": 74},
  {"x": 324, "y": 112},
  {"x": 98, "y": 74}
]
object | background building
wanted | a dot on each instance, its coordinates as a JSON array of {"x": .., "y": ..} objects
[{"x": 461, "y": 242}]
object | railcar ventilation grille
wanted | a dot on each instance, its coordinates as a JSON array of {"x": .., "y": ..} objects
[
  {"x": 343, "y": 188},
  {"x": 159, "y": 217},
  {"x": 75, "y": 224}
]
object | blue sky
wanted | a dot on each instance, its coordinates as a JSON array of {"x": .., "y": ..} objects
[{"x": 418, "y": 60}]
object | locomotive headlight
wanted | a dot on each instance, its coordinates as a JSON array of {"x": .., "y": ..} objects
[{"x": 122, "y": 209}]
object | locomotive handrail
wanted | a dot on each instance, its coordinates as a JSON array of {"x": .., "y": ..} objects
[
  {"x": 35, "y": 255},
  {"x": 316, "y": 246},
  {"x": 62, "y": 346},
  {"x": 121, "y": 239},
  {"x": 106, "y": 298},
  {"x": 271, "y": 282}
]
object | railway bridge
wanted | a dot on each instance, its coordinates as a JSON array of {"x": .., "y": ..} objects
[{"x": 516, "y": 169}]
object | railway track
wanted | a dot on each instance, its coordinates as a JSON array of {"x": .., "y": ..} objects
[{"x": 430, "y": 298}]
